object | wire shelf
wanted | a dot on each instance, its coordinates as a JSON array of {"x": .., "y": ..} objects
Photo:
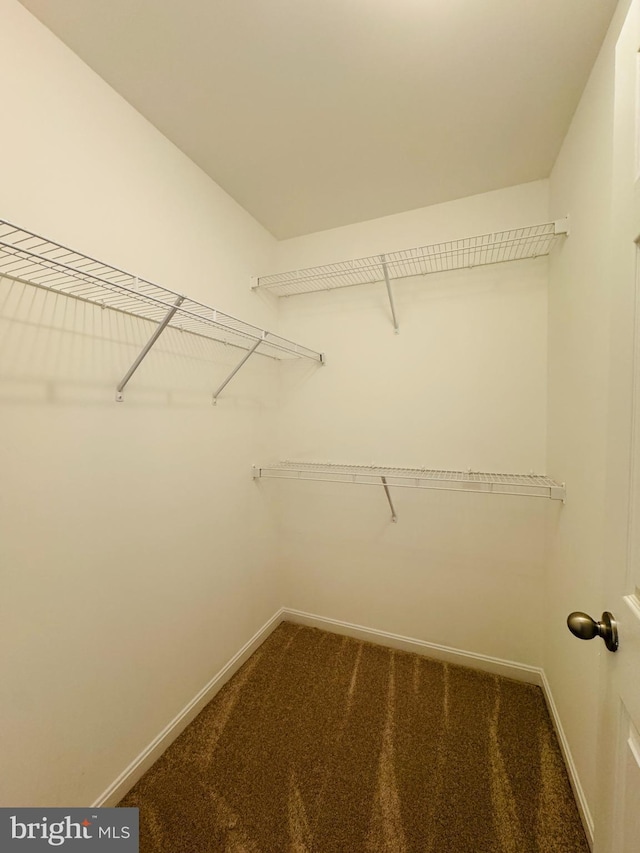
[
  {"x": 528, "y": 485},
  {"x": 499, "y": 247},
  {"x": 35, "y": 260}
]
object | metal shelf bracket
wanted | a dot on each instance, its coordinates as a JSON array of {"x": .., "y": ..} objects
[
  {"x": 242, "y": 361},
  {"x": 561, "y": 226},
  {"x": 394, "y": 517},
  {"x": 387, "y": 281},
  {"x": 154, "y": 337}
]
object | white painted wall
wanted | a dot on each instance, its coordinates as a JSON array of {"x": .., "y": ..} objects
[
  {"x": 462, "y": 386},
  {"x": 135, "y": 552},
  {"x": 581, "y": 295}
]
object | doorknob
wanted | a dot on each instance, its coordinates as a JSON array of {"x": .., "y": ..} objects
[{"x": 586, "y": 628}]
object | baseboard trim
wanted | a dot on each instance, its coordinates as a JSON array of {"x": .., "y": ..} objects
[
  {"x": 139, "y": 766},
  {"x": 578, "y": 791},
  {"x": 497, "y": 666}
]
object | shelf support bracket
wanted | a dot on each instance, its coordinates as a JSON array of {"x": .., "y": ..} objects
[
  {"x": 394, "y": 517},
  {"x": 154, "y": 337},
  {"x": 244, "y": 359},
  {"x": 387, "y": 281}
]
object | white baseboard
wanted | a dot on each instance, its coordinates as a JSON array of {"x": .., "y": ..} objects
[
  {"x": 511, "y": 669},
  {"x": 497, "y": 666},
  {"x": 578, "y": 791},
  {"x": 139, "y": 766}
]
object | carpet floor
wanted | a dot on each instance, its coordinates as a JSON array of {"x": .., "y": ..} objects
[{"x": 323, "y": 743}]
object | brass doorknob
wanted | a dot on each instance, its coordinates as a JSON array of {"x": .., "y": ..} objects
[{"x": 584, "y": 627}]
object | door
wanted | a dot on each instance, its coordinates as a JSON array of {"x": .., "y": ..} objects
[{"x": 617, "y": 824}]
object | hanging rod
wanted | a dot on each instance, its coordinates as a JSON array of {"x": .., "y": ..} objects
[
  {"x": 32, "y": 259},
  {"x": 525, "y": 485},
  {"x": 498, "y": 247}
]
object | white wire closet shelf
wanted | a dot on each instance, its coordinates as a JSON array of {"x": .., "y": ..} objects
[
  {"x": 526, "y": 485},
  {"x": 27, "y": 257},
  {"x": 498, "y": 247}
]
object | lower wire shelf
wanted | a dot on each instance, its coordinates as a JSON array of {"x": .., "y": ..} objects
[{"x": 527, "y": 485}]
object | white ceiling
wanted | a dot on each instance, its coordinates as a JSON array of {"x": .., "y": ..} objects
[{"x": 319, "y": 113}]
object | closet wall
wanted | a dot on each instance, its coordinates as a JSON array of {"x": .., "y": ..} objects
[
  {"x": 135, "y": 551},
  {"x": 463, "y": 385}
]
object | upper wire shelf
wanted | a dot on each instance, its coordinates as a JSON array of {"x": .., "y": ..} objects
[
  {"x": 36, "y": 260},
  {"x": 528, "y": 485},
  {"x": 498, "y": 247}
]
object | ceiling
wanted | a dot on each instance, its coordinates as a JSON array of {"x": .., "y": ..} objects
[{"x": 318, "y": 113}]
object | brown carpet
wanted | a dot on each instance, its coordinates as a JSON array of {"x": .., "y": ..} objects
[{"x": 322, "y": 743}]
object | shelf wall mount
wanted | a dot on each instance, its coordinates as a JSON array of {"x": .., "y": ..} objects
[
  {"x": 31, "y": 259},
  {"x": 392, "y": 304},
  {"x": 394, "y": 517},
  {"x": 532, "y": 241},
  {"x": 154, "y": 337},
  {"x": 242, "y": 361}
]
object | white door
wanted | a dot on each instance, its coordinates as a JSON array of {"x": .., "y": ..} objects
[{"x": 617, "y": 824}]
